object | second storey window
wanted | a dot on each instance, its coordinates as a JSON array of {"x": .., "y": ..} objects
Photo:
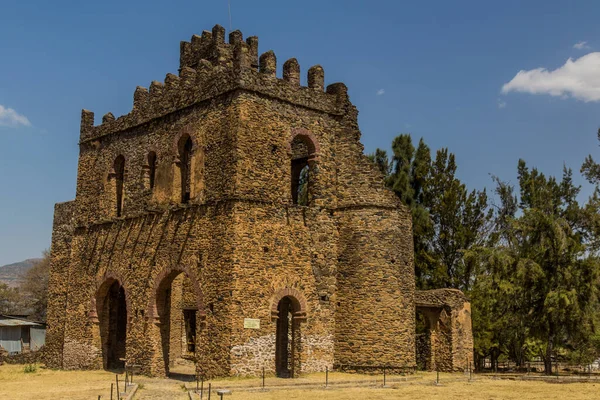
[
  {"x": 119, "y": 176},
  {"x": 151, "y": 169},
  {"x": 185, "y": 167},
  {"x": 303, "y": 154}
]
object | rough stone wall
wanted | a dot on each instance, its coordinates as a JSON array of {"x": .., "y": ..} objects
[
  {"x": 450, "y": 337},
  {"x": 58, "y": 282},
  {"x": 345, "y": 258},
  {"x": 375, "y": 325},
  {"x": 423, "y": 351}
]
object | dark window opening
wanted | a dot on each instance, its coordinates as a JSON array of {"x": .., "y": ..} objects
[
  {"x": 185, "y": 165},
  {"x": 303, "y": 155},
  {"x": 189, "y": 317},
  {"x": 119, "y": 170},
  {"x": 300, "y": 178},
  {"x": 25, "y": 337},
  {"x": 151, "y": 168}
]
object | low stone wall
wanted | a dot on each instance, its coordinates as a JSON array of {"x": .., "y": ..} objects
[{"x": 27, "y": 357}]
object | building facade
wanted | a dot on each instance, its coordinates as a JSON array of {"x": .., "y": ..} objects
[{"x": 231, "y": 218}]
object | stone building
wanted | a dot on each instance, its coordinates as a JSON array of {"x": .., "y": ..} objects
[{"x": 231, "y": 218}]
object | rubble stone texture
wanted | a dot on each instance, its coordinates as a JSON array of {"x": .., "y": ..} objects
[
  {"x": 448, "y": 343},
  {"x": 199, "y": 199}
]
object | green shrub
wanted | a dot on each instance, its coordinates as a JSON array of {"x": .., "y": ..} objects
[{"x": 30, "y": 368}]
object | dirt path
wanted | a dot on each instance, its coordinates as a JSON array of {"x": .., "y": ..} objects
[{"x": 158, "y": 389}]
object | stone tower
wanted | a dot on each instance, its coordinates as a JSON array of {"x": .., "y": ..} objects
[{"x": 231, "y": 218}]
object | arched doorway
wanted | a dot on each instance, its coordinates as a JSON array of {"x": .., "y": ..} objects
[
  {"x": 287, "y": 338},
  {"x": 112, "y": 316},
  {"x": 425, "y": 361},
  {"x": 177, "y": 310}
]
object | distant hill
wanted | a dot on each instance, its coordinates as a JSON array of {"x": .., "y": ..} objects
[{"x": 11, "y": 273}]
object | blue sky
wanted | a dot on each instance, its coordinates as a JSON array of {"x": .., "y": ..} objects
[{"x": 436, "y": 69}]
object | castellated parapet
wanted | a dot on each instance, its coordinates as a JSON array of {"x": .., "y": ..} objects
[{"x": 232, "y": 220}]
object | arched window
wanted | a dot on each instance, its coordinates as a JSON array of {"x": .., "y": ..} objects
[
  {"x": 151, "y": 169},
  {"x": 119, "y": 175},
  {"x": 185, "y": 167},
  {"x": 303, "y": 153}
]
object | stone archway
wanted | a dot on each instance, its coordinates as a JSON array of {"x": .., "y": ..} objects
[
  {"x": 177, "y": 312},
  {"x": 445, "y": 342},
  {"x": 288, "y": 310},
  {"x": 110, "y": 314}
]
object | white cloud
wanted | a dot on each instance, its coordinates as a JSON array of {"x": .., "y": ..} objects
[
  {"x": 501, "y": 103},
  {"x": 9, "y": 117},
  {"x": 581, "y": 45},
  {"x": 380, "y": 92},
  {"x": 578, "y": 78}
]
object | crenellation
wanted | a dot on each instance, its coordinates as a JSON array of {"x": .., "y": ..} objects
[
  {"x": 171, "y": 82},
  {"x": 235, "y": 37},
  {"x": 141, "y": 98},
  {"x": 218, "y": 35},
  {"x": 252, "y": 43},
  {"x": 87, "y": 122},
  {"x": 316, "y": 77},
  {"x": 268, "y": 63},
  {"x": 187, "y": 76},
  {"x": 108, "y": 117},
  {"x": 291, "y": 72},
  {"x": 339, "y": 89},
  {"x": 240, "y": 57}
]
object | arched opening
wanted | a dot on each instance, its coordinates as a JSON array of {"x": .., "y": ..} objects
[
  {"x": 112, "y": 316},
  {"x": 286, "y": 338},
  {"x": 119, "y": 176},
  {"x": 423, "y": 342},
  {"x": 185, "y": 167},
  {"x": 303, "y": 153},
  {"x": 177, "y": 308},
  {"x": 151, "y": 169}
]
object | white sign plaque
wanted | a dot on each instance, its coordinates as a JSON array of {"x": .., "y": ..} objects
[{"x": 251, "y": 323}]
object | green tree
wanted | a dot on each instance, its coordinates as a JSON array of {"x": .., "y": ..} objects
[
  {"x": 447, "y": 219},
  {"x": 590, "y": 169},
  {"x": 548, "y": 278},
  {"x": 9, "y": 299},
  {"x": 34, "y": 288}
]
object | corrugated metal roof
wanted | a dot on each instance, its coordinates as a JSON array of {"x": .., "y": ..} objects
[{"x": 16, "y": 322}]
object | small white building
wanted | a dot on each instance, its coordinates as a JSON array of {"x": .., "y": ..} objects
[{"x": 18, "y": 335}]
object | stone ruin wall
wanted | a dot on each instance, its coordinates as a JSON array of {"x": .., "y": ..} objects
[{"x": 448, "y": 343}]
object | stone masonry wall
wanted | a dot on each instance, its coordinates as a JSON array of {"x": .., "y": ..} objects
[
  {"x": 450, "y": 332},
  {"x": 345, "y": 258}
]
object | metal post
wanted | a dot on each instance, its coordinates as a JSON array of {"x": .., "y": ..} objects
[
  {"x": 437, "y": 381},
  {"x": 384, "y": 376},
  {"x": 197, "y": 382},
  {"x": 209, "y": 390},
  {"x": 326, "y": 376},
  {"x": 201, "y": 387},
  {"x": 111, "y": 390},
  {"x": 125, "y": 381},
  {"x": 263, "y": 379},
  {"x": 131, "y": 377},
  {"x": 118, "y": 394},
  {"x": 470, "y": 372}
]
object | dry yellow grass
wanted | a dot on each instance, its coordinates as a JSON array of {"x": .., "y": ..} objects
[{"x": 48, "y": 384}]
